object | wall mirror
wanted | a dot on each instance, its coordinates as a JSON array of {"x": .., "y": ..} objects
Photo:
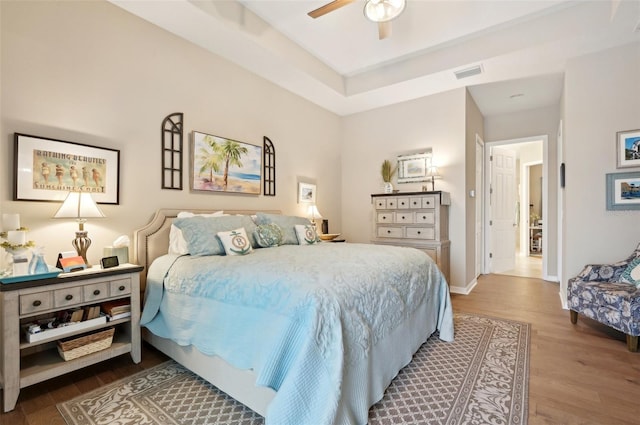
[{"x": 414, "y": 167}]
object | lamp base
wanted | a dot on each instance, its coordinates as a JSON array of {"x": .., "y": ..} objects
[{"x": 82, "y": 243}]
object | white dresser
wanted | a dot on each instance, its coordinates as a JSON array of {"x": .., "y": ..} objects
[{"x": 415, "y": 219}]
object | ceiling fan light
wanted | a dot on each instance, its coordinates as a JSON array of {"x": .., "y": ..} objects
[{"x": 383, "y": 10}]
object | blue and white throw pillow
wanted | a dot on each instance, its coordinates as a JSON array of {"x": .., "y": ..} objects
[
  {"x": 286, "y": 223},
  {"x": 268, "y": 235},
  {"x": 235, "y": 242},
  {"x": 632, "y": 273},
  {"x": 306, "y": 234}
]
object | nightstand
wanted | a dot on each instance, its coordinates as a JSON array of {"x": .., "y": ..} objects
[{"x": 25, "y": 363}]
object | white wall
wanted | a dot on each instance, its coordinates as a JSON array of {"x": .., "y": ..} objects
[
  {"x": 89, "y": 72},
  {"x": 594, "y": 112},
  {"x": 436, "y": 122}
]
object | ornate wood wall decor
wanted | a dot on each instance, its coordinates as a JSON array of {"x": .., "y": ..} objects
[
  {"x": 172, "y": 135},
  {"x": 269, "y": 166}
]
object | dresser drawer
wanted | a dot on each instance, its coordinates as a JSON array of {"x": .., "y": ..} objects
[
  {"x": 421, "y": 232},
  {"x": 392, "y": 203},
  {"x": 390, "y": 232},
  {"x": 120, "y": 287},
  {"x": 415, "y": 202},
  {"x": 385, "y": 217},
  {"x": 403, "y": 203},
  {"x": 426, "y": 217},
  {"x": 33, "y": 303},
  {"x": 95, "y": 292},
  {"x": 67, "y": 297},
  {"x": 381, "y": 204},
  {"x": 429, "y": 202},
  {"x": 404, "y": 217}
]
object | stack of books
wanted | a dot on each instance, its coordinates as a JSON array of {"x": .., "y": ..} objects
[{"x": 117, "y": 309}]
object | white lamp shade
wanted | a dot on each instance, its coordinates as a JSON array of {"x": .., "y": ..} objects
[
  {"x": 383, "y": 10},
  {"x": 432, "y": 172},
  {"x": 313, "y": 212},
  {"x": 79, "y": 205}
]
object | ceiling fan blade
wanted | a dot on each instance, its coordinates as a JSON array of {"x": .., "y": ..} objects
[
  {"x": 329, "y": 7},
  {"x": 384, "y": 30}
]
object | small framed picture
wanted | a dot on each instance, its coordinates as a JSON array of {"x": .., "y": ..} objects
[
  {"x": 628, "y": 148},
  {"x": 623, "y": 191},
  {"x": 414, "y": 168},
  {"x": 306, "y": 193}
]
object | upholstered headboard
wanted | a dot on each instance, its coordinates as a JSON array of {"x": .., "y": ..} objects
[{"x": 152, "y": 240}]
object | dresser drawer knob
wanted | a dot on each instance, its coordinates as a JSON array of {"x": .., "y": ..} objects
[
  {"x": 68, "y": 297},
  {"x": 37, "y": 303},
  {"x": 384, "y": 217},
  {"x": 96, "y": 292},
  {"x": 388, "y": 231},
  {"x": 419, "y": 232},
  {"x": 403, "y": 217},
  {"x": 428, "y": 202},
  {"x": 402, "y": 203},
  {"x": 121, "y": 287},
  {"x": 424, "y": 217}
]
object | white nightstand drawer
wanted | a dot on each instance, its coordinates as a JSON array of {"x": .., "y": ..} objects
[
  {"x": 421, "y": 233},
  {"x": 67, "y": 297},
  {"x": 120, "y": 287},
  {"x": 96, "y": 292},
  {"x": 390, "y": 232},
  {"x": 386, "y": 217},
  {"x": 381, "y": 204},
  {"x": 429, "y": 202},
  {"x": 427, "y": 217},
  {"x": 403, "y": 203},
  {"x": 404, "y": 217},
  {"x": 33, "y": 303}
]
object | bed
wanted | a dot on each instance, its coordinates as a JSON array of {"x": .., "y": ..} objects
[{"x": 299, "y": 334}]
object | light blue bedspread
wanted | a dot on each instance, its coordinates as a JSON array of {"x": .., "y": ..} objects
[{"x": 299, "y": 316}]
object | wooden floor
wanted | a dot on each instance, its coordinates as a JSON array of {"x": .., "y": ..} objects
[{"x": 580, "y": 374}]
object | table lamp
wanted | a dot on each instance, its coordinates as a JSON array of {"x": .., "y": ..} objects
[
  {"x": 80, "y": 205},
  {"x": 313, "y": 214}
]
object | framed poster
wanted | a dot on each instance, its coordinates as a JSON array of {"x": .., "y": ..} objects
[
  {"x": 623, "y": 191},
  {"x": 628, "y": 148},
  {"x": 219, "y": 164},
  {"x": 414, "y": 168},
  {"x": 47, "y": 169}
]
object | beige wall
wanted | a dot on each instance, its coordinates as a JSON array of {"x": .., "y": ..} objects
[
  {"x": 602, "y": 96},
  {"x": 89, "y": 72},
  {"x": 474, "y": 125},
  {"x": 435, "y": 122}
]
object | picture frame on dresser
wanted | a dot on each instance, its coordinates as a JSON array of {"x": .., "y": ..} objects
[
  {"x": 415, "y": 167},
  {"x": 48, "y": 169}
]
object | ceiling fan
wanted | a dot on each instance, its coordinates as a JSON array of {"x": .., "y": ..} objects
[{"x": 380, "y": 11}]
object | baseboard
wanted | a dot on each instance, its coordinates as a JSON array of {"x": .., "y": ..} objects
[
  {"x": 464, "y": 290},
  {"x": 551, "y": 278}
]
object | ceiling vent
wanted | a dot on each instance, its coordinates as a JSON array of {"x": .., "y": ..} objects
[{"x": 469, "y": 72}]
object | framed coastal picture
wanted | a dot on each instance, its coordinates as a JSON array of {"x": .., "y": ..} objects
[
  {"x": 628, "y": 148},
  {"x": 48, "y": 169},
  {"x": 414, "y": 168},
  {"x": 623, "y": 191},
  {"x": 306, "y": 193},
  {"x": 219, "y": 164}
]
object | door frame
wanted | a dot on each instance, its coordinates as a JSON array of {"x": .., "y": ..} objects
[
  {"x": 479, "y": 264},
  {"x": 545, "y": 194}
]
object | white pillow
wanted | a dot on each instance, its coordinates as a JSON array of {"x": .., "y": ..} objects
[
  {"x": 235, "y": 242},
  {"x": 306, "y": 234},
  {"x": 177, "y": 243}
]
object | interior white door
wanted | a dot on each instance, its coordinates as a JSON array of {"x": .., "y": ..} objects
[{"x": 503, "y": 210}]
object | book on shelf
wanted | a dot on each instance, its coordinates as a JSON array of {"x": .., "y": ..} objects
[
  {"x": 118, "y": 316},
  {"x": 115, "y": 307}
]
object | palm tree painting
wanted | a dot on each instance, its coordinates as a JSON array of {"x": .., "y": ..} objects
[{"x": 225, "y": 165}]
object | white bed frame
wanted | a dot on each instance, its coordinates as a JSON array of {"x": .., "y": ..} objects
[{"x": 152, "y": 241}]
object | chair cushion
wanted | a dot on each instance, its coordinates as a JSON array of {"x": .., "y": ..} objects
[{"x": 615, "y": 304}]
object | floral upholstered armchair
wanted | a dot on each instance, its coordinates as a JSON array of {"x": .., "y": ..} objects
[{"x": 609, "y": 294}]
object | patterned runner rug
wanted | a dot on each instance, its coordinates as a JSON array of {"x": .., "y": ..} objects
[{"x": 480, "y": 378}]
